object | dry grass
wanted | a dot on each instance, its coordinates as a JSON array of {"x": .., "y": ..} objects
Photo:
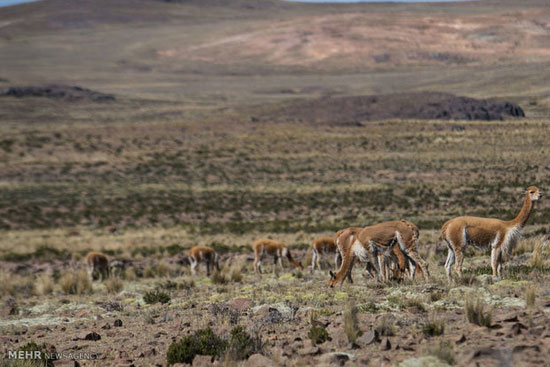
[
  {"x": 44, "y": 284},
  {"x": 476, "y": 313},
  {"x": 114, "y": 285},
  {"x": 351, "y": 324},
  {"x": 530, "y": 296},
  {"x": 75, "y": 282}
]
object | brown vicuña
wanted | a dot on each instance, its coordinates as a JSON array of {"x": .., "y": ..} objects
[
  {"x": 376, "y": 242},
  {"x": 323, "y": 245},
  {"x": 487, "y": 234},
  {"x": 276, "y": 249},
  {"x": 97, "y": 263},
  {"x": 205, "y": 254}
]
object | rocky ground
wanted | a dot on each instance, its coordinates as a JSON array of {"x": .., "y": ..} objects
[{"x": 423, "y": 323}]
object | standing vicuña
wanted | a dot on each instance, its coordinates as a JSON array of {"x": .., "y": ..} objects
[
  {"x": 375, "y": 243},
  {"x": 324, "y": 245},
  {"x": 97, "y": 263},
  {"x": 204, "y": 254},
  {"x": 274, "y": 248},
  {"x": 486, "y": 233}
]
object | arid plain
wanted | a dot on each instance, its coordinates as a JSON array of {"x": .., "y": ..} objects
[{"x": 199, "y": 133}]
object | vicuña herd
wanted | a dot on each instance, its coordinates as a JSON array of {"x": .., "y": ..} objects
[{"x": 389, "y": 250}]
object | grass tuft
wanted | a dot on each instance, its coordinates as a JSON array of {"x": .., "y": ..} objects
[
  {"x": 475, "y": 312},
  {"x": 75, "y": 282},
  {"x": 351, "y": 324}
]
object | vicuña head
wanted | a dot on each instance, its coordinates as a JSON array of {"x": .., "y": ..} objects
[{"x": 534, "y": 193}]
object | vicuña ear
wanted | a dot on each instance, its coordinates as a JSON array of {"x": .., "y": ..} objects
[{"x": 332, "y": 275}]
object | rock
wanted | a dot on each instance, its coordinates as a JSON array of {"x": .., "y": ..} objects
[
  {"x": 202, "y": 361},
  {"x": 88, "y": 336},
  {"x": 336, "y": 358},
  {"x": 521, "y": 348},
  {"x": 241, "y": 304},
  {"x": 269, "y": 314},
  {"x": 105, "y": 326},
  {"x": 428, "y": 361},
  {"x": 385, "y": 345},
  {"x": 257, "y": 360},
  {"x": 483, "y": 351},
  {"x": 81, "y": 313},
  {"x": 309, "y": 350},
  {"x": 117, "y": 323},
  {"x": 112, "y": 306},
  {"x": 368, "y": 338},
  {"x": 510, "y": 317},
  {"x": 461, "y": 340},
  {"x": 149, "y": 353},
  {"x": 516, "y": 328}
]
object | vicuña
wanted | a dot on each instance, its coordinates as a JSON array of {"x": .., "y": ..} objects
[
  {"x": 276, "y": 249},
  {"x": 487, "y": 234},
  {"x": 375, "y": 243},
  {"x": 203, "y": 254}
]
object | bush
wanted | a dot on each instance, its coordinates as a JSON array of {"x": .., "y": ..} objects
[
  {"x": 435, "y": 327},
  {"x": 218, "y": 277},
  {"x": 241, "y": 344},
  {"x": 203, "y": 342},
  {"x": 75, "y": 282},
  {"x": 318, "y": 334},
  {"x": 475, "y": 312},
  {"x": 156, "y": 296},
  {"x": 32, "y": 346}
]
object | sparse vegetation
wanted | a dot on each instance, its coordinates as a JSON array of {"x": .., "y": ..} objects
[
  {"x": 75, "y": 282},
  {"x": 114, "y": 285},
  {"x": 434, "y": 327},
  {"x": 156, "y": 296},
  {"x": 386, "y": 326},
  {"x": 444, "y": 351},
  {"x": 203, "y": 342},
  {"x": 351, "y": 324},
  {"x": 44, "y": 284},
  {"x": 319, "y": 334},
  {"x": 530, "y": 296},
  {"x": 476, "y": 313}
]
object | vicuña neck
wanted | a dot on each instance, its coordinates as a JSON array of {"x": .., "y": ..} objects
[{"x": 523, "y": 215}]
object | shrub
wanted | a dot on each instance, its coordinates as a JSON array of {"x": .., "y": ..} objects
[
  {"x": 75, "y": 282},
  {"x": 218, "y": 277},
  {"x": 443, "y": 351},
  {"x": 318, "y": 334},
  {"x": 241, "y": 344},
  {"x": 203, "y": 342},
  {"x": 236, "y": 275},
  {"x": 156, "y": 296},
  {"x": 434, "y": 327},
  {"x": 351, "y": 324},
  {"x": 43, "y": 361},
  {"x": 475, "y": 312}
]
